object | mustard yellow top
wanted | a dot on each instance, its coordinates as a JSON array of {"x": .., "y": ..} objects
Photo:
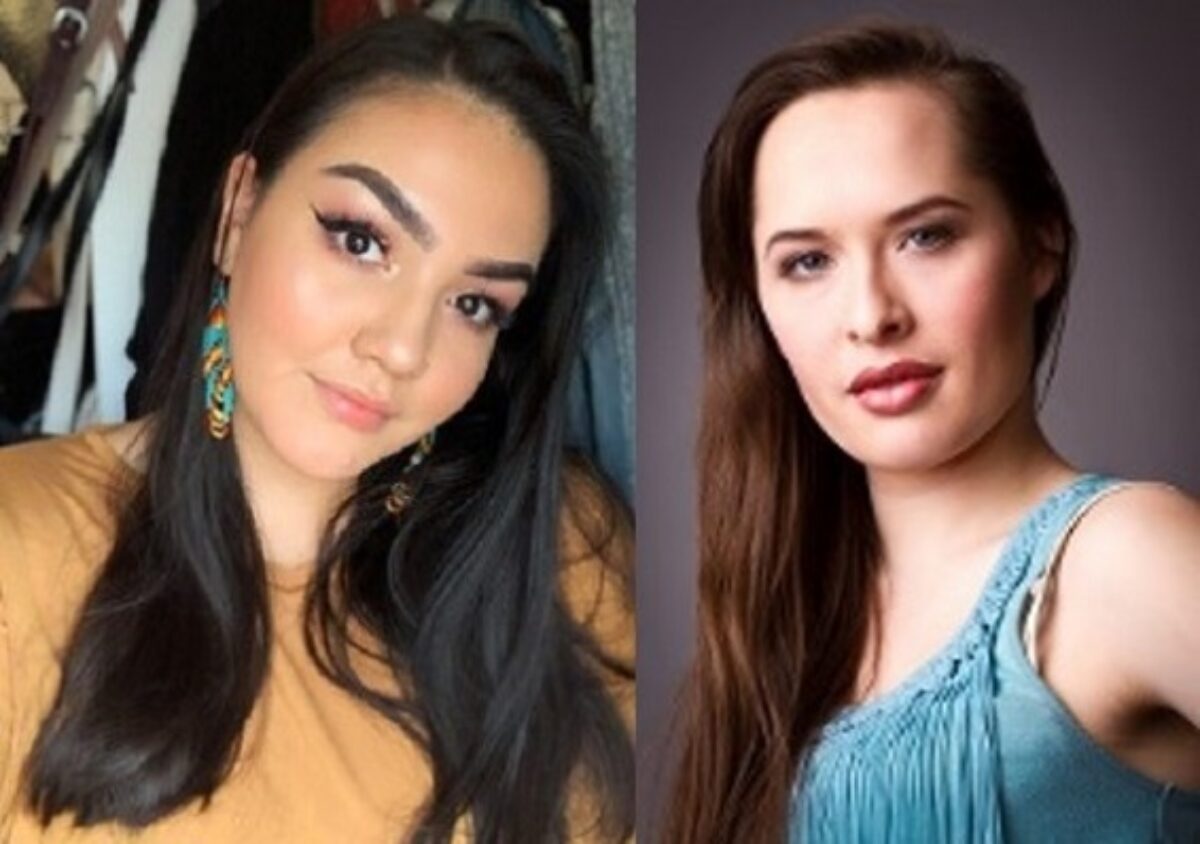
[{"x": 315, "y": 766}]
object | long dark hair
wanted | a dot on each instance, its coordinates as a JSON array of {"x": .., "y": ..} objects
[
  {"x": 461, "y": 597},
  {"x": 788, "y": 541}
]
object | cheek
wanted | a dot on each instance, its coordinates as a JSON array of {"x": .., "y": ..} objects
[
  {"x": 280, "y": 313},
  {"x": 457, "y": 368},
  {"x": 984, "y": 311},
  {"x": 799, "y": 327}
]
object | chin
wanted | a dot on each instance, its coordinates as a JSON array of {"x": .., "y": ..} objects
[
  {"x": 907, "y": 445},
  {"x": 316, "y": 451}
]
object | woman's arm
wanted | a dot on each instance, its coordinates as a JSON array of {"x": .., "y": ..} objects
[{"x": 1144, "y": 550}]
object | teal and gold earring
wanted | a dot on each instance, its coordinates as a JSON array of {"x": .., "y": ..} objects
[
  {"x": 218, "y": 367},
  {"x": 401, "y": 493}
]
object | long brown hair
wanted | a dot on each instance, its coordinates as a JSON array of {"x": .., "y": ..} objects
[{"x": 788, "y": 540}]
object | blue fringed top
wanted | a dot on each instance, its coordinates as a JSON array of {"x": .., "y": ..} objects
[{"x": 974, "y": 747}]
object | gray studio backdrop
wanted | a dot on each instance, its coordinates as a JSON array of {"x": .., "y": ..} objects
[{"x": 1115, "y": 89}]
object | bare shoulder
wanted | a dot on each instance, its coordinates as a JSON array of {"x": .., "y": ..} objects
[
  {"x": 1139, "y": 537},
  {"x": 1134, "y": 563}
]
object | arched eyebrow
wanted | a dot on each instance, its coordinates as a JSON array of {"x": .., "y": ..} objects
[
  {"x": 391, "y": 198},
  {"x": 502, "y": 271},
  {"x": 895, "y": 218}
]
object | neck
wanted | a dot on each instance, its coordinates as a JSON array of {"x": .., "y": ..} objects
[
  {"x": 290, "y": 509},
  {"x": 970, "y": 502}
]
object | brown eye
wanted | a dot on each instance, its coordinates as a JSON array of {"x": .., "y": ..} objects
[
  {"x": 482, "y": 311},
  {"x": 356, "y": 238},
  {"x": 357, "y": 243}
]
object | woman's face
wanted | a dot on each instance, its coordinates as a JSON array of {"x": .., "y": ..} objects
[
  {"x": 369, "y": 280},
  {"x": 892, "y": 277}
]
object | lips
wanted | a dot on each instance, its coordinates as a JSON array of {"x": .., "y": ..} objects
[
  {"x": 895, "y": 389},
  {"x": 905, "y": 370},
  {"x": 353, "y": 407}
]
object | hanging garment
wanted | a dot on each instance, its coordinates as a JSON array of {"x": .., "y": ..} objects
[
  {"x": 603, "y": 388},
  {"x": 73, "y": 32}
]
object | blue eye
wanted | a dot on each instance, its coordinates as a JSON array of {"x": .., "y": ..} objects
[
  {"x": 929, "y": 238},
  {"x": 359, "y": 239},
  {"x": 804, "y": 264},
  {"x": 482, "y": 311}
]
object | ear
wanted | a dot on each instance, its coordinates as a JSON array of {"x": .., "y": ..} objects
[
  {"x": 237, "y": 201},
  {"x": 1049, "y": 244}
]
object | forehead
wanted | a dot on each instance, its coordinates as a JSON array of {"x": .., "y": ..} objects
[
  {"x": 857, "y": 151},
  {"x": 463, "y": 163}
]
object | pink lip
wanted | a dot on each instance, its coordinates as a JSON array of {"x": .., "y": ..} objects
[
  {"x": 894, "y": 389},
  {"x": 353, "y": 407}
]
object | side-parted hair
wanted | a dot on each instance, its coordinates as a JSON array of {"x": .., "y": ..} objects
[
  {"x": 788, "y": 541},
  {"x": 460, "y": 597}
]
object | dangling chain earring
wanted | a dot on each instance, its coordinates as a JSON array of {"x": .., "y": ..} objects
[
  {"x": 217, "y": 368},
  {"x": 401, "y": 494}
]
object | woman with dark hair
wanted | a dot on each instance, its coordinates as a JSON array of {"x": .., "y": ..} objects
[
  {"x": 917, "y": 621},
  {"x": 339, "y": 584}
]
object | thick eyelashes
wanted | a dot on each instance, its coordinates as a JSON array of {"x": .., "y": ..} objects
[
  {"x": 924, "y": 239},
  {"x": 483, "y": 312},
  {"x": 353, "y": 237}
]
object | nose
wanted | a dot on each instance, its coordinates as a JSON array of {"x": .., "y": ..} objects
[
  {"x": 877, "y": 310},
  {"x": 399, "y": 336}
]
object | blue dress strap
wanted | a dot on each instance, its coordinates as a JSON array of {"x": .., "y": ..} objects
[
  {"x": 1056, "y": 521},
  {"x": 921, "y": 763},
  {"x": 1033, "y": 588}
]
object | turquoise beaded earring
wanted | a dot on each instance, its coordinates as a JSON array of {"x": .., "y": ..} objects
[
  {"x": 217, "y": 366},
  {"x": 401, "y": 494}
]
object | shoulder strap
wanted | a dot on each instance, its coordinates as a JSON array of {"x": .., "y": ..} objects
[{"x": 1043, "y": 589}]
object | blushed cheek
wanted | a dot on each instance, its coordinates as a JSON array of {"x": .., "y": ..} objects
[
  {"x": 987, "y": 313},
  {"x": 975, "y": 311},
  {"x": 282, "y": 316},
  {"x": 988, "y": 328}
]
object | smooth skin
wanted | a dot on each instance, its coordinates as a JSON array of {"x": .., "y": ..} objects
[
  {"x": 383, "y": 259},
  {"x": 875, "y": 243}
]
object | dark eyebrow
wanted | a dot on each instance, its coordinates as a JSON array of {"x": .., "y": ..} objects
[
  {"x": 894, "y": 218},
  {"x": 502, "y": 271},
  {"x": 921, "y": 206},
  {"x": 391, "y": 198}
]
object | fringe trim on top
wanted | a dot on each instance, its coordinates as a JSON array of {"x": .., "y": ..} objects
[
  {"x": 922, "y": 762},
  {"x": 928, "y": 775}
]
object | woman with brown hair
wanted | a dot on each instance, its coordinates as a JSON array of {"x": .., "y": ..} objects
[{"x": 897, "y": 640}]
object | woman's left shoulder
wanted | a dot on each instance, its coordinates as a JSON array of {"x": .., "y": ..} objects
[
  {"x": 1141, "y": 528},
  {"x": 1136, "y": 563}
]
